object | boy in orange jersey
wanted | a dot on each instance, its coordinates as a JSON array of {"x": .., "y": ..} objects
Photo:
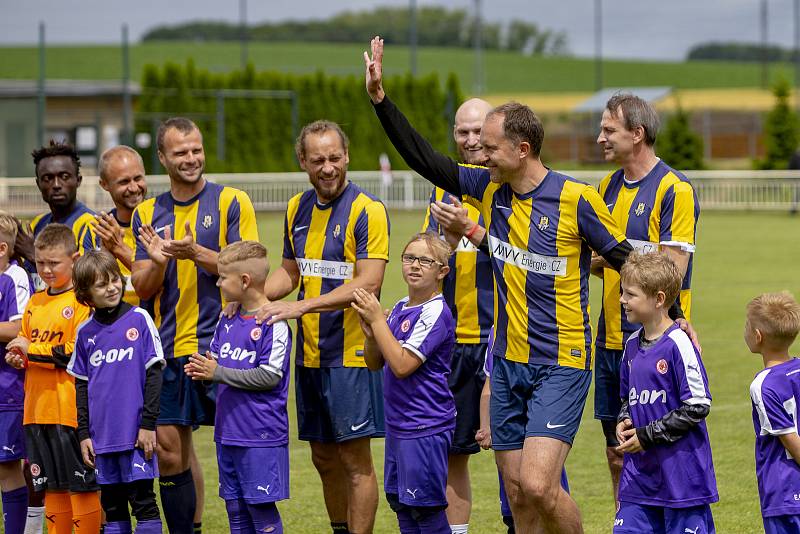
[{"x": 43, "y": 349}]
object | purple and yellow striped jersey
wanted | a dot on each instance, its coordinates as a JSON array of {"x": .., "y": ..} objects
[
  {"x": 326, "y": 240},
  {"x": 78, "y": 220},
  {"x": 659, "y": 209},
  {"x": 468, "y": 287},
  {"x": 186, "y": 310},
  {"x": 541, "y": 246},
  {"x": 130, "y": 295}
]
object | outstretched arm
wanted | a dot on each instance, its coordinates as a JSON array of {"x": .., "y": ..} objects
[{"x": 415, "y": 149}]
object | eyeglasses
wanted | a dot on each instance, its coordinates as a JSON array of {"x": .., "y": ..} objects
[{"x": 424, "y": 262}]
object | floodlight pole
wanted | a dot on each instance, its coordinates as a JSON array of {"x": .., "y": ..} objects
[
  {"x": 764, "y": 52},
  {"x": 40, "y": 96},
  {"x": 127, "y": 106},
  {"x": 243, "y": 31},
  {"x": 412, "y": 36},
  {"x": 796, "y": 57},
  {"x": 478, "y": 49},
  {"x": 598, "y": 45}
]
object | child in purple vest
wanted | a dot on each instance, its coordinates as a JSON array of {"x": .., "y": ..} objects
[
  {"x": 667, "y": 480},
  {"x": 773, "y": 321},
  {"x": 117, "y": 366},
  {"x": 250, "y": 362},
  {"x": 415, "y": 343}
]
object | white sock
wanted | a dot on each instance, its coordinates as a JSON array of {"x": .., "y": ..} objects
[
  {"x": 35, "y": 521},
  {"x": 459, "y": 529}
]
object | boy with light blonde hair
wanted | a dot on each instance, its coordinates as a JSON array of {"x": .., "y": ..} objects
[{"x": 773, "y": 321}]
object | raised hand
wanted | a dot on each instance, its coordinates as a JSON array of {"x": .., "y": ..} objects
[
  {"x": 154, "y": 244},
  {"x": 367, "y": 306},
  {"x": 453, "y": 218},
  {"x": 111, "y": 234},
  {"x": 374, "y": 70},
  {"x": 201, "y": 368}
]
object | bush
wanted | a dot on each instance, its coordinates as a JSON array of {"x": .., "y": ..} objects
[
  {"x": 780, "y": 129},
  {"x": 678, "y": 145},
  {"x": 259, "y": 133}
]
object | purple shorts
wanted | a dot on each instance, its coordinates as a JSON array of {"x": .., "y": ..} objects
[
  {"x": 641, "y": 519},
  {"x": 255, "y": 474},
  {"x": 12, "y": 438},
  {"x": 416, "y": 468},
  {"x": 124, "y": 467},
  {"x": 782, "y": 524}
]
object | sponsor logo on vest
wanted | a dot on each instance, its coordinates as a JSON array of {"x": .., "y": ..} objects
[
  {"x": 646, "y": 396},
  {"x": 530, "y": 261},
  {"x": 334, "y": 270},
  {"x": 236, "y": 353},
  {"x": 111, "y": 356}
]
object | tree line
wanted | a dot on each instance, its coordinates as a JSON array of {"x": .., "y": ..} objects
[
  {"x": 436, "y": 26},
  {"x": 259, "y": 128},
  {"x": 734, "y": 51}
]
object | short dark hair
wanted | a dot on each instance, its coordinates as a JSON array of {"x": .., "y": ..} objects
[
  {"x": 182, "y": 124},
  {"x": 520, "y": 123},
  {"x": 54, "y": 149},
  {"x": 56, "y": 235},
  {"x": 318, "y": 128},
  {"x": 93, "y": 266},
  {"x": 636, "y": 112}
]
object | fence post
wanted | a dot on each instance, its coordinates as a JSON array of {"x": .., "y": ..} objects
[{"x": 408, "y": 200}]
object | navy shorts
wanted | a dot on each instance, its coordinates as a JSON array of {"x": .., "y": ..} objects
[
  {"x": 255, "y": 474},
  {"x": 782, "y": 524},
  {"x": 415, "y": 469},
  {"x": 336, "y": 404},
  {"x": 124, "y": 467},
  {"x": 54, "y": 454},
  {"x": 466, "y": 382},
  {"x": 185, "y": 402},
  {"x": 607, "y": 402},
  {"x": 640, "y": 519},
  {"x": 535, "y": 400},
  {"x": 12, "y": 438}
]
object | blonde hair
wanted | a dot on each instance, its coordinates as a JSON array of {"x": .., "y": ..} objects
[
  {"x": 56, "y": 235},
  {"x": 653, "y": 272},
  {"x": 243, "y": 251},
  {"x": 8, "y": 229},
  {"x": 776, "y": 316},
  {"x": 438, "y": 247}
]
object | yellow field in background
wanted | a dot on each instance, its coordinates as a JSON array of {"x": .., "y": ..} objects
[{"x": 689, "y": 99}]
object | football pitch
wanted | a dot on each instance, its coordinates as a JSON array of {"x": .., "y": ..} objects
[{"x": 738, "y": 256}]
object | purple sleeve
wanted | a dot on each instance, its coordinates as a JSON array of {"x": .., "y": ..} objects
[
  {"x": 429, "y": 331},
  {"x": 688, "y": 370},
  {"x": 624, "y": 375},
  {"x": 213, "y": 348},
  {"x": 775, "y": 410},
  {"x": 273, "y": 347},
  {"x": 151, "y": 341},
  {"x": 77, "y": 363}
]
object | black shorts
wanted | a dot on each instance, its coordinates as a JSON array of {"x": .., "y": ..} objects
[
  {"x": 54, "y": 454},
  {"x": 466, "y": 382},
  {"x": 185, "y": 402}
]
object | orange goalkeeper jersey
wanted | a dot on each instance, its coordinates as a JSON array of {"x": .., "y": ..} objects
[{"x": 50, "y": 323}]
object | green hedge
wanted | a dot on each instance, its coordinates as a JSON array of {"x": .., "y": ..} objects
[{"x": 259, "y": 133}]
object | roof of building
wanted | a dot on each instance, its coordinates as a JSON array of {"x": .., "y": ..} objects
[{"x": 65, "y": 88}]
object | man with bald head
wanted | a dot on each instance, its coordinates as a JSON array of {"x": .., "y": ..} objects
[{"x": 468, "y": 291}]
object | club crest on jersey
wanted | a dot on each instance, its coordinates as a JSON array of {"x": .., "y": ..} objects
[
  {"x": 337, "y": 230},
  {"x": 208, "y": 220},
  {"x": 662, "y": 366},
  {"x": 405, "y": 325},
  {"x": 544, "y": 223},
  {"x": 639, "y": 209},
  {"x": 255, "y": 334},
  {"x": 132, "y": 334},
  {"x": 36, "y": 470},
  {"x": 67, "y": 312}
]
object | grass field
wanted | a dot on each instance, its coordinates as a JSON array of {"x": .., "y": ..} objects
[
  {"x": 739, "y": 256},
  {"x": 506, "y": 72}
]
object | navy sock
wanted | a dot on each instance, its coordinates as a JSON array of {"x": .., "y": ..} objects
[
  {"x": 340, "y": 528},
  {"x": 198, "y": 527},
  {"x": 435, "y": 523},
  {"x": 178, "y": 501},
  {"x": 266, "y": 518},
  {"x": 407, "y": 524},
  {"x": 15, "y": 510}
]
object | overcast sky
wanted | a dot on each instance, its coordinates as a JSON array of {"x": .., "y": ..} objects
[{"x": 654, "y": 29}]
